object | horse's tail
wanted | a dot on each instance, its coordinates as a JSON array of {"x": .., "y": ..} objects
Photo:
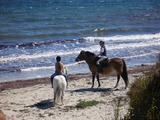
[
  {"x": 124, "y": 74},
  {"x": 59, "y": 85},
  {"x": 57, "y": 93}
]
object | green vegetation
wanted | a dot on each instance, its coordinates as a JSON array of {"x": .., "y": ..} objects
[
  {"x": 145, "y": 96},
  {"x": 117, "y": 109},
  {"x": 84, "y": 104}
]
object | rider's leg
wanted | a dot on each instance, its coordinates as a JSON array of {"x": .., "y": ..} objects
[
  {"x": 99, "y": 65},
  {"x": 52, "y": 76}
]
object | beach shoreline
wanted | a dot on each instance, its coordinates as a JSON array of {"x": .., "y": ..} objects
[
  {"x": 34, "y": 33},
  {"x": 46, "y": 80},
  {"x": 33, "y": 99}
]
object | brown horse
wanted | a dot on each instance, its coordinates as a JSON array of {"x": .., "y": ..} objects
[{"x": 114, "y": 64}]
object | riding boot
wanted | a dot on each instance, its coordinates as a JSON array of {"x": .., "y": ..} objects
[{"x": 100, "y": 68}]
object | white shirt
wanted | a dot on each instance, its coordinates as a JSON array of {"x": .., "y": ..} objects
[{"x": 102, "y": 50}]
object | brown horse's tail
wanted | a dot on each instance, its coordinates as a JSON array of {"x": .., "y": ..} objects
[{"x": 124, "y": 74}]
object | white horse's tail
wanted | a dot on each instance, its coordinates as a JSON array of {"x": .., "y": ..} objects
[
  {"x": 59, "y": 85},
  {"x": 57, "y": 94}
]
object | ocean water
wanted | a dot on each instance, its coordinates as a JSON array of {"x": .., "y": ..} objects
[{"x": 34, "y": 32}]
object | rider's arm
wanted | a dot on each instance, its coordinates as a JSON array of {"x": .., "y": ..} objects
[
  {"x": 62, "y": 67},
  {"x": 101, "y": 51}
]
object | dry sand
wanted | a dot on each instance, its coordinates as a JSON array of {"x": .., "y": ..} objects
[{"x": 33, "y": 99}]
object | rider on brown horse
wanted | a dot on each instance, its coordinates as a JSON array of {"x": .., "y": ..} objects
[
  {"x": 113, "y": 64},
  {"x": 101, "y": 56}
]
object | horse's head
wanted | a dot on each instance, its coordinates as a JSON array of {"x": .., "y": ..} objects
[
  {"x": 66, "y": 70},
  {"x": 81, "y": 56},
  {"x": 84, "y": 55}
]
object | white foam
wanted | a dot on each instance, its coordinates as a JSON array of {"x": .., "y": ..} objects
[
  {"x": 143, "y": 41},
  {"x": 146, "y": 40},
  {"x": 36, "y": 68},
  {"x": 82, "y": 62},
  {"x": 48, "y": 67},
  {"x": 135, "y": 45},
  {"x": 124, "y": 38},
  {"x": 37, "y": 55},
  {"x": 142, "y": 55}
]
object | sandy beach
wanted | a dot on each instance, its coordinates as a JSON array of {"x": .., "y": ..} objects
[{"x": 33, "y": 99}]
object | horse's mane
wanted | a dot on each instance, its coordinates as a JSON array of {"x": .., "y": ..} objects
[{"x": 89, "y": 53}]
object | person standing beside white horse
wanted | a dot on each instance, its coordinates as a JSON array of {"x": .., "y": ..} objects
[{"x": 59, "y": 80}]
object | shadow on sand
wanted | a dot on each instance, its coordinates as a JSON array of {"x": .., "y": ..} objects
[
  {"x": 45, "y": 104},
  {"x": 95, "y": 90},
  {"x": 92, "y": 90}
]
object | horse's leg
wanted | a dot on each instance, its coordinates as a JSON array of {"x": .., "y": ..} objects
[
  {"x": 62, "y": 96},
  {"x": 93, "y": 77},
  {"x": 125, "y": 80},
  {"x": 98, "y": 80},
  {"x": 118, "y": 77},
  {"x": 54, "y": 96},
  {"x": 124, "y": 74}
]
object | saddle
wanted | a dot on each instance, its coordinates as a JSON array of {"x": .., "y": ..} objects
[{"x": 103, "y": 63}]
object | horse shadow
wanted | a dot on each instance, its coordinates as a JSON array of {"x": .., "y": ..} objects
[
  {"x": 44, "y": 104},
  {"x": 92, "y": 90}
]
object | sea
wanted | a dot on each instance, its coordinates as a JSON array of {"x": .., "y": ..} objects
[{"x": 34, "y": 32}]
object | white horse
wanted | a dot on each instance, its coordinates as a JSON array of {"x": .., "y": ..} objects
[{"x": 59, "y": 85}]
